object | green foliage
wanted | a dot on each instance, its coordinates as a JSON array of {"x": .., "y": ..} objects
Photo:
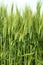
[{"x": 21, "y": 37}]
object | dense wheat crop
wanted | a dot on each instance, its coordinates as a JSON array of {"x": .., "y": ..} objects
[{"x": 21, "y": 37}]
